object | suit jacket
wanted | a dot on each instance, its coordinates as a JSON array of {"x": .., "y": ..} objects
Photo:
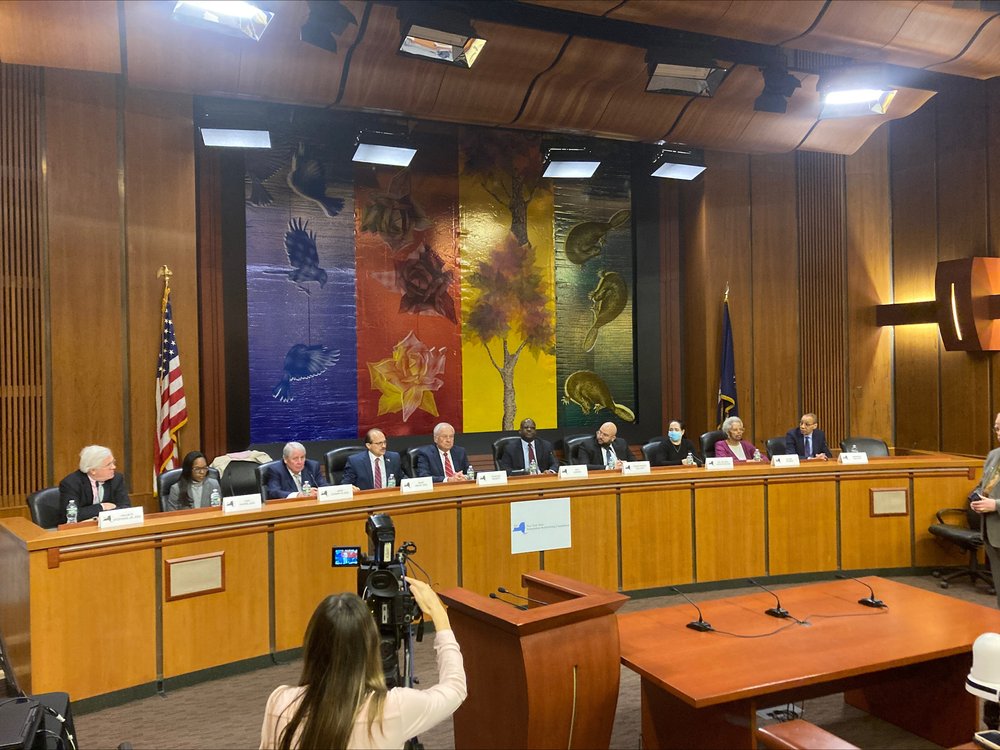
[
  {"x": 722, "y": 450},
  {"x": 77, "y": 486},
  {"x": 281, "y": 484},
  {"x": 512, "y": 457},
  {"x": 174, "y": 496},
  {"x": 668, "y": 454},
  {"x": 795, "y": 442},
  {"x": 992, "y": 519},
  {"x": 358, "y": 470},
  {"x": 428, "y": 463},
  {"x": 592, "y": 454}
]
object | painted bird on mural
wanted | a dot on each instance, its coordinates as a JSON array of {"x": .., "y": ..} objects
[
  {"x": 586, "y": 240},
  {"x": 588, "y": 390},
  {"x": 307, "y": 177},
  {"x": 301, "y": 363},
  {"x": 609, "y": 297},
  {"x": 303, "y": 257}
]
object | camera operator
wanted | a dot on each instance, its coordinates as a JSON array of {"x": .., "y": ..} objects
[{"x": 342, "y": 700}]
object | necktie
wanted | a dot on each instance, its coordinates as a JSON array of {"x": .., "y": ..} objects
[
  {"x": 378, "y": 473},
  {"x": 809, "y": 446},
  {"x": 609, "y": 457},
  {"x": 298, "y": 481},
  {"x": 100, "y": 492},
  {"x": 449, "y": 470},
  {"x": 531, "y": 453}
]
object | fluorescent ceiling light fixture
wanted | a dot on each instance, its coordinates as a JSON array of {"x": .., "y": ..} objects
[
  {"x": 562, "y": 163},
  {"x": 678, "y": 163},
  {"x": 231, "y": 17},
  {"x": 458, "y": 46},
  {"x": 395, "y": 156},
  {"x": 230, "y": 138},
  {"x": 857, "y": 102},
  {"x": 678, "y": 171},
  {"x": 689, "y": 80}
]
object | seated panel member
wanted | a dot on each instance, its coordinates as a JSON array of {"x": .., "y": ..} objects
[
  {"x": 673, "y": 450},
  {"x": 444, "y": 461},
  {"x": 194, "y": 488},
  {"x": 734, "y": 446},
  {"x": 370, "y": 470},
  {"x": 604, "y": 447},
  {"x": 807, "y": 440},
  {"x": 518, "y": 456},
  {"x": 288, "y": 479},
  {"x": 95, "y": 479}
]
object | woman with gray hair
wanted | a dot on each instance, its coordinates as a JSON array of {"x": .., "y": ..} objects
[
  {"x": 734, "y": 446},
  {"x": 95, "y": 487}
]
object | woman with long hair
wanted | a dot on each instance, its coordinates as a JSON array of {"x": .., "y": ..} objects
[
  {"x": 342, "y": 700},
  {"x": 194, "y": 488}
]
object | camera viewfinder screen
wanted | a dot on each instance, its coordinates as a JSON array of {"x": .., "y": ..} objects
[{"x": 346, "y": 557}]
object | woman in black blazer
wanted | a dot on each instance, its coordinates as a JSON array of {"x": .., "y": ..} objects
[{"x": 673, "y": 450}]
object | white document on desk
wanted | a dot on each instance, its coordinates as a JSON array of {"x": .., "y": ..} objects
[{"x": 538, "y": 525}]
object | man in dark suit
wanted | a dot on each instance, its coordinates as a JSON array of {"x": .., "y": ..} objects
[
  {"x": 807, "y": 440},
  {"x": 289, "y": 479},
  {"x": 518, "y": 456},
  {"x": 444, "y": 461},
  {"x": 604, "y": 450},
  {"x": 95, "y": 479},
  {"x": 372, "y": 469}
]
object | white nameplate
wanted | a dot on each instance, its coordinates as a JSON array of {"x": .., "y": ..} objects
[
  {"x": 853, "y": 458},
  {"x": 335, "y": 494},
  {"x": 489, "y": 478},
  {"x": 573, "y": 471},
  {"x": 714, "y": 463},
  {"x": 112, "y": 519},
  {"x": 241, "y": 503},
  {"x": 417, "y": 484},
  {"x": 635, "y": 467},
  {"x": 785, "y": 460}
]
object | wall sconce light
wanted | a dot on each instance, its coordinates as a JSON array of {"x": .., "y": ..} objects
[
  {"x": 692, "y": 72},
  {"x": 240, "y": 19},
  {"x": 678, "y": 162},
  {"x": 438, "y": 35}
]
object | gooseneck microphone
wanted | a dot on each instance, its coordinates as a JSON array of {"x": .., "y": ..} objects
[
  {"x": 700, "y": 625},
  {"x": 513, "y": 604},
  {"x": 777, "y": 610},
  {"x": 868, "y": 601},
  {"x": 502, "y": 590}
]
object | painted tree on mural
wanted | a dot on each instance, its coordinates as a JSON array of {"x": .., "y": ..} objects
[{"x": 510, "y": 313}]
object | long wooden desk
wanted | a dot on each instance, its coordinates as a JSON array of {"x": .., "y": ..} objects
[
  {"x": 86, "y": 611},
  {"x": 906, "y": 664}
]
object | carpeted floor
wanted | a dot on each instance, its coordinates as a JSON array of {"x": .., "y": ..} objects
[{"x": 227, "y": 713}]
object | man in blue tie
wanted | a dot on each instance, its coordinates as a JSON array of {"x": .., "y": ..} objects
[{"x": 807, "y": 440}]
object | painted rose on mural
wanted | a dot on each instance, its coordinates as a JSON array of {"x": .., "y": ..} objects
[
  {"x": 424, "y": 283},
  {"x": 393, "y": 215},
  {"x": 408, "y": 378}
]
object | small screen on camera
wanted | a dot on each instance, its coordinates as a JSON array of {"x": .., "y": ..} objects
[{"x": 346, "y": 557}]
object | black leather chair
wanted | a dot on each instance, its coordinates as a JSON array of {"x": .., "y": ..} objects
[
  {"x": 570, "y": 445},
  {"x": 708, "y": 441},
  {"x": 776, "y": 446},
  {"x": 499, "y": 445},
  {"x": 45, "y": 507},
  {"x": 239, "y": 478},
  {"x": 650, "y": 448},
  {"x": 872, "y": 446},
  {"x": 409, "y": 461},
  {"x": 336, "y": 461},
  {"x": 168, "y": 479},
  {"x": 262, "y": 472},
  {"x": 967, "y": 535}
]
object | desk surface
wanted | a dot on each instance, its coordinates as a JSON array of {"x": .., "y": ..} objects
[{"x": 843, "y": 640}]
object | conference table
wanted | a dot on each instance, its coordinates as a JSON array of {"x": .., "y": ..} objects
[
  {"x": 906, "y": 664},
  {"x": 127, "y": 611}
]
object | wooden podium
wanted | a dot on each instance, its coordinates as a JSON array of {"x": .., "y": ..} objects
[{"x": 546, "y": 677}]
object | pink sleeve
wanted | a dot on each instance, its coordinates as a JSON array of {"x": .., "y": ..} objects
[{"x": 422, "y": 709}]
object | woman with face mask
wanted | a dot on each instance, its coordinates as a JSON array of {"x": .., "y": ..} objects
[{"x": 675, "y": 449}]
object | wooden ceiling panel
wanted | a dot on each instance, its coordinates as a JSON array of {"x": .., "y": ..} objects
[
  {"x": 590, "y": 7},
  {"x": 934, "y": 32},
  {"x": 845, "y": 135},
  {"x": 854, "y": 29},
  {"x": 73, "y": 34},
  {"x": 493, "y": 91},
  {"x": 636, "y": 114},
  {"x": 769, "y": 132},
  {"x": 982, "y": 58}
]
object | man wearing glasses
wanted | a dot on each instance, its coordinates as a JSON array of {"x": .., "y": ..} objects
[
  {"x": 373, "y": 469},
  {"x": 807, "y": 440},
  {"x": 982, "y": 501}
]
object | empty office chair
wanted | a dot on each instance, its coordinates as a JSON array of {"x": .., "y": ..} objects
[
  {"x": 336, "y": 461},
  {"x": 966, "y": 534},
  {"x": 650, "y": 448},
  {"x": 45, "y": 507},
  {"x": 239, "y": 478},
  {"x": 409, "y": 461},
  {"x": 708, "y": 441},
  {"x": 872, "y": 446},
  {"x": 168, "y": 479},
  {"x": 570, "y": 444},
  {"x": 262, "y": 474},
  {"x": 499, "y": 445},
  {"x": 776, "y": 447}
]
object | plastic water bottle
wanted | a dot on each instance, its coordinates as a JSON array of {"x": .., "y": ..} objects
[
  {"x": 756, "y": 454},
  {"x": 854, "y": 448},
  {"x": 611, "y": 462},
  {"x": 391, "y": 481},
  {"x": 215, "y": 499},
  {"x": 533, "y": 467},
  {"x": 470, "y": 473},
  {"x": 689, "y": 459},
  {"x": 306, "y": 488},
  {"x": 71, "y": 511}
]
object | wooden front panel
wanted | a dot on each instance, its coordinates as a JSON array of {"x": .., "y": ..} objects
[
  {"x": 487, "y": 561},
  {"x": 436, "y": 535},
  {"x": 931, "y": 494},
  {"x": 867, "y": 542},
  {"x": 15, "y": 618},
  {"x": 93, "y": 623},
  {"x": 593, "y": 558},
  {"x": 211, "y": 629},
  {"x": 801, "y": 527},
  {"x": 729, "y": 531},
  {"x": 656, "y": 543}
]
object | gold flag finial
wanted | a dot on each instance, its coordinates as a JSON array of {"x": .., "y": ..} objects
[
  {"x": 725, "y": 295},
  {"x": 165, "y": 273}
]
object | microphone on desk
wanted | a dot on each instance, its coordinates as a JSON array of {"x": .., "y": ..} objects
[
  {"x": 514, "y": 605},
  {"x": 502, "y": 590},
  {"x": 868, "y": 601},
  {"x": 700, "y": 625},
  {"x": 776, "y": 611}
]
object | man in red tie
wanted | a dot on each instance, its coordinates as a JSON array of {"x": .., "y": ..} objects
[
  {"x": 444, "y": 461},
  {"x": 517, "y": 456},
  {"x": 374, "y": 468}
]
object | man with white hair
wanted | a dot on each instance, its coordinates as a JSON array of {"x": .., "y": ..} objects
[
  {"x": 444, "y": 461},
  {"x": 95, "y": 487},
  {"x": 296, "y": 471}
]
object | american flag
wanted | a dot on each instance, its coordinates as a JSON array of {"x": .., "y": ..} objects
[{"x": 170, "y": 402}]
